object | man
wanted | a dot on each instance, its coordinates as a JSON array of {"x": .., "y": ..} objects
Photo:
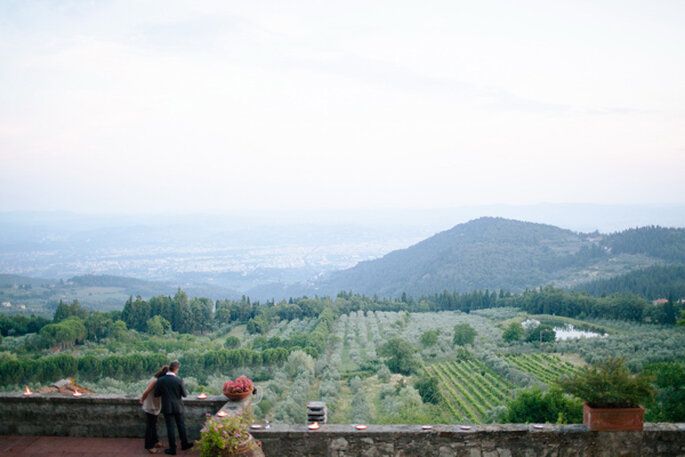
[{"x": 170, "y": 388}]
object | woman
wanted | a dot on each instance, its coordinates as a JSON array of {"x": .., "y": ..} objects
[{"x": 152, "y": 406}]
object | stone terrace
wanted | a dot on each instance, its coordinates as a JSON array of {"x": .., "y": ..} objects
[{"x": 113, "y": 425}]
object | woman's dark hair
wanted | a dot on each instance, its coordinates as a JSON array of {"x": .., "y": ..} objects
[{"x": 162, "y": 371}]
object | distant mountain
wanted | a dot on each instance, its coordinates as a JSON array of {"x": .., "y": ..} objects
[{"x": 496, "y": 253}]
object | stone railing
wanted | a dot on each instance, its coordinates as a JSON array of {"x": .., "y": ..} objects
[
  {"x": 96, "y": 415},
  {"x": 508, "y": 440},
  {"x": 118, "y": 416}
]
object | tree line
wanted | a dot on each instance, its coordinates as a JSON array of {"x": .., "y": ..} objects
[
  {"x": 130, "y": 367},
  {"x": 73, "y": 324}
]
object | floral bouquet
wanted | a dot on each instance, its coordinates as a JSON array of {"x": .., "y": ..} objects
[
  {"x": 242, "y": 386},
  {"x": 224, "y": 436}
]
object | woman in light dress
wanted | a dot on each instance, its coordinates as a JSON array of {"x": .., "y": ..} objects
[{"x": 152, "y": 406}]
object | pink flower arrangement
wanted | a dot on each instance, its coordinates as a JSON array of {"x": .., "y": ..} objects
[{"x": 240, "y": 385}]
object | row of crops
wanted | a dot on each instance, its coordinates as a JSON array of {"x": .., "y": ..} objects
[
  {"x": 546, "y": 367},
  {"x": 471, "y": 389}
]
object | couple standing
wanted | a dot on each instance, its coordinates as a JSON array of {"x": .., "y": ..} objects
[{"x": 169, "y": 386}]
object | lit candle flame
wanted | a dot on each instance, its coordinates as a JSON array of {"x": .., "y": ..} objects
[
  {"x": 28, "y": 392},
  {"x": 360, "y": 427},
  {"x": 222, "y": 413},
  {"x": 77, "y": 393},
  {"x": 202, "y": 396},
  {"x": 313, "y": 426}
]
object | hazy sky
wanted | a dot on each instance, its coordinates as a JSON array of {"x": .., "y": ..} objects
[{"x": 215, "y": 105}]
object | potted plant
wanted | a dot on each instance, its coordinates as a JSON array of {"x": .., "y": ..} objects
[
  {"x": 227, "y": 437},
  {"x": 239, "y": 389},
  {"x": 611, "y": 395}
]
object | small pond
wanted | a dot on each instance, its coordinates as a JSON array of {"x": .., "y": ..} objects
[{"x": 568, "y": 332}]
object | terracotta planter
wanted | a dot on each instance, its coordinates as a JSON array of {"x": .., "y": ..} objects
[
  {"x": 237, "y": 396},
  {"x": 613, "y": 419}
]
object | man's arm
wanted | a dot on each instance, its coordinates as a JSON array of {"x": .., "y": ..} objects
[
  {"x": 158, "y": 391},
  {"x": 184, "y": 392}
]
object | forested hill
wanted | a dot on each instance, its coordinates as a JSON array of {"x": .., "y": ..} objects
[
  {"x": 486, "y": 253},
  {"x": 496, "y": 253},
  {"x": 660, "y": 242},
  {"x": 659, "y": 281}
]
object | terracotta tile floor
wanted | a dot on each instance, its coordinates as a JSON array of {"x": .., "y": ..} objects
[{"x": 54, "y": 446}]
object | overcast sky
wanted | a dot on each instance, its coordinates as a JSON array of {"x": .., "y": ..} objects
[{"x": 163, "y": 105}]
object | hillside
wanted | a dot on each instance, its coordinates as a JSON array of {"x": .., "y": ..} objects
[
  {"x": 496, "y": 253},
  {"x": 659, "y": 281},
  {"x": 98, "y": 292}
]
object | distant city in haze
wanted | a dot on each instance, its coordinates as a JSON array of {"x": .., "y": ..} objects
[{"x": 241, "y": 252}]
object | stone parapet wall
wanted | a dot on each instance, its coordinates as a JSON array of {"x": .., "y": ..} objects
[
  {"x": 95, "y": 415},
  {"x": 508, "y": 440},
  {"x": 121, "y": 417}
]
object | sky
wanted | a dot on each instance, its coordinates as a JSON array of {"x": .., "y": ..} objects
[{"x": 130, "y": 106}]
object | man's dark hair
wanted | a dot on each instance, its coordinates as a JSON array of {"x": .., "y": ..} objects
[{"x": 173, "y": 366}]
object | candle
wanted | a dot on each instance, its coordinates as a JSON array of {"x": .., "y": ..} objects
[
  {"x": 27, "y": 392},
  {"x": 538, "y": 426},
  {"x": 360, "y": 427},
  {"x": 202, "y": 396},
  {"x": 222, "y": 413},
  {"x": 427, "y": 427},
  {"x": 313, "y": 426},
  {"x": 77, "y": 393},
  {"x": 465, "y": 427}
]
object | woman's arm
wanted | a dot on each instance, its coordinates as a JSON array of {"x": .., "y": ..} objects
[{"x": 148, "y": 390}]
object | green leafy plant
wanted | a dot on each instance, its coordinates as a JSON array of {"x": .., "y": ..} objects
[
  {"x": 610, "y": 384},
  {"x": 534, "y": 405},
  {"x": 224, "y": 436}
]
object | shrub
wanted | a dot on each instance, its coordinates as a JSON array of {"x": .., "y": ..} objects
[
  {"x": 428, "y": 389},
  {"x": 232, "y": 342},
  {"x": 609, "y": 384},
  {"x": 532, "y": 405}
]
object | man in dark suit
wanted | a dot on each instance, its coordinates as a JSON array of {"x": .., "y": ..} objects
[{"x": 170, "y": 388}]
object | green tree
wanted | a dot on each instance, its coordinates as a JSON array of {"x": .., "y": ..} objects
[
  {"x": 97, "y": 325},
  {"x": 669, "y": 403},
  {"x": 64, "y": 311},
  {"x": 201, "y": 310},
  {"x": 232, "y": 342},
  {"x": 542, "y": 333},
  {"x": 681, "y": 321},
  {"x": 464, "y": 334},
  {"x": 399, "y": 355},
  {"x": 117, "y": 329},
  {"x": 514, "y": 332},
  {"x": 158, "y": 326},
  {"x": 429, "y": 338},
  {"x": 532, "y": 405},
  {"x": 670, "y": 314}
]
